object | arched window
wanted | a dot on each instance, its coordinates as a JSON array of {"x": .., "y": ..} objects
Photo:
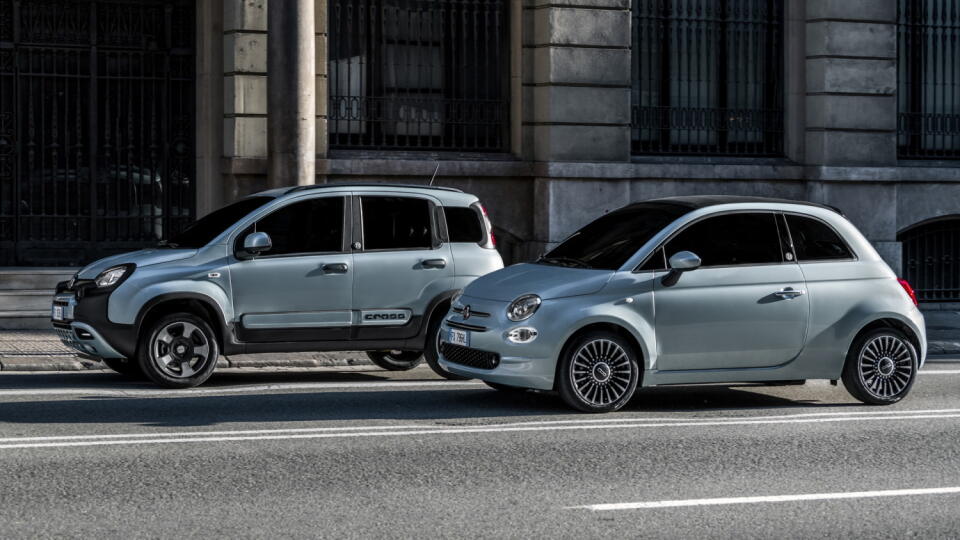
[{"x": 931, "y": 259}]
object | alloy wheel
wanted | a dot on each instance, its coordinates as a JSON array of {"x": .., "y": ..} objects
[
  {"x": 181, "y": 349},
  {"x": 601, "y": 372},
  {"x": 885, "y": 366}
]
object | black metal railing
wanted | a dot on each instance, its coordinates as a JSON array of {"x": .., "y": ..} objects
[
  {"x": 928, "y": 94},
  {"x": 419, "y": 75},
  {"x": 931, "y": 260},
  {"x": 96, "y": 127},
  {"x": 707, "y": 77}
]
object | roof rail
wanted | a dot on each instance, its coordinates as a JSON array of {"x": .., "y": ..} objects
[{"x": 369, "y": 184}]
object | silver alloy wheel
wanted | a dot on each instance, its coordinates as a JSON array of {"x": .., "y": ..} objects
[
  {"x": 181, "y": 349},
  {"x": 885, "y": 366},
  {"x": 601, "y": 372}
]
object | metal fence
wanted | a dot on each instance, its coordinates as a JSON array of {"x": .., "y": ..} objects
[
  {"x": 418, "y": 74},
  {"x": 928, "y": 125},
  {"x": 931, "y": 260},
  {"x": 707, "y": 77},
  {"x": 96, "y": 127}
]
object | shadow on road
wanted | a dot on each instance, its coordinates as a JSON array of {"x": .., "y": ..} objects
[{"x": 348, "y": 404}]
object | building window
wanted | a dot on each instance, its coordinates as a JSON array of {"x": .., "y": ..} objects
[
  {"x": 931, "y": 259},
  {"x": 928, "y": 96},
  {"x": 419, "y": 75},
  {"x": 707, "y": 77}
]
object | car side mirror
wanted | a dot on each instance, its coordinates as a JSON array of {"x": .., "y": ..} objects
[
  {"x": 256, "y": 243},
  {"x": 680, "y": 262}
]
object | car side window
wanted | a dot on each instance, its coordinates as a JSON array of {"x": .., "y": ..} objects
[
  {"x": 814, "y": 240},
  {"x": 463, "y": 224},
  {"x": 310, "y": 226},
  {"x": 396, "y": 223},
  {"x": 731, "y": 239}
]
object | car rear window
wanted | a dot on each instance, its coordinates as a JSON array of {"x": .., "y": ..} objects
[
  {"x": 463, "y": 224},
  {"x": 816, "y": 241}
]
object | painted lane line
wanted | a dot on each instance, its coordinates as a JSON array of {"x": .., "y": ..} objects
[
  {"x": 927, "y": 413},
  {"x": 455, "y": 431},
  {"x": 769, "y": 499},
  {"x": 146, "y": 392},
  {"x": 939, "y": 372}
]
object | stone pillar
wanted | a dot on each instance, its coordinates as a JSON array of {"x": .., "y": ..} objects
[
  {"x": 576, "y": 89},
  {"x": 322, "y": 87},
  {"x": 209, "y": 106},
  {"x": 291, "y": 96}
]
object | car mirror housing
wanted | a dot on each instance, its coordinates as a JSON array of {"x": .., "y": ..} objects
[
  {"x": 256, "y": 243},
  {"x": 680, "y": 262}
]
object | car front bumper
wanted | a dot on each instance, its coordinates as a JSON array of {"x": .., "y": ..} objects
[{"x": 81, "y": 325}]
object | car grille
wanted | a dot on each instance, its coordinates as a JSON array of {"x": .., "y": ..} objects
[
  {"x": 469, "y": 357},
  {"x": 68, "y": 338}
]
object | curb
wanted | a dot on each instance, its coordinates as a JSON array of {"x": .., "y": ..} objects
[{"x": 69, "y": 362}]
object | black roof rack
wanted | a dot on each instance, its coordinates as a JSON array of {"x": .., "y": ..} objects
[{"x": 369, "y": 184}]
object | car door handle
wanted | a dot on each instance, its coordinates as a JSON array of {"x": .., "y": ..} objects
[
  {"x": 434, "y": 263},
  {"x": 335, "y": 268},
  {"x": 790, "y": 292}
]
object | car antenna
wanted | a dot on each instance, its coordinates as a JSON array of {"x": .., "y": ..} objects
[{"x": 434, "y": 177}]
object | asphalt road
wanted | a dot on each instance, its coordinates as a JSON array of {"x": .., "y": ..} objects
[{"x": 371, "y": 454}]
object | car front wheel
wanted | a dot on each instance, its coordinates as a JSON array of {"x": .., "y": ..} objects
[
  {"x": 598, "y": 372},
  {"x": 881, "y": 367},
  {"x": 180, "y": 351}
]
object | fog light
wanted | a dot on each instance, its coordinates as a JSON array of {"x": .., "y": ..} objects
[{"x": 524, "y": 334}]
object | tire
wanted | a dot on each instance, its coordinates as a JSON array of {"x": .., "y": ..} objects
[
  {"x": 506, "y": 388},
  {"x": 881, "y": 367},
  {"x": 396, "y": 360},
  {"x": 126, "y": 367},
  {"x": 179, "y": 351},
  {"x": 607, "y": 372},
  {"x": 432, "y": 352}
]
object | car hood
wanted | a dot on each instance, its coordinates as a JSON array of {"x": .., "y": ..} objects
[
  {"x": 144, "y": 257},
  {"x": 543, "y": 280}
]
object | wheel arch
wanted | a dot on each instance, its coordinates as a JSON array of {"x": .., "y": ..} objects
[
  {"x": 887, "y": 322},
  {"x": 611, "y": 326},
  {"x": 195, "y": 303}
]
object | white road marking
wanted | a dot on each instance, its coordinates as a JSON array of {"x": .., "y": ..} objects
[
  {"x": 939, "y": 372},
  {"x": 406, "y": 431},
  {"x": 157, "y": 392},
  {"x": 770, "y": 499}
]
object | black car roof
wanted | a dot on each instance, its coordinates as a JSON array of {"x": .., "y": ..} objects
[
  {"x": 694, "y": 202},
  {"x": 369, "y": 184}
]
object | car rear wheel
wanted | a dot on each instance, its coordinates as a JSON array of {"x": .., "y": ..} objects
[
  {"x": 396, "y": 360},
  {"x": 598, "y": 372},
  {"x": 432, "y": 353},
  {"x": 124, "y": 366},
  {"x": 180, "y": 351},
  {"x": 881, "y": 367}
]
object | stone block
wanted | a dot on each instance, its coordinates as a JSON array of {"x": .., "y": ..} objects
[
  {"x": 587, "y": 27},
  {"x": 581, "y": 143},
  {"x": 854, "y": 76},
  {"x": 872, "y": 207},
  {"x": 581, "y": 104},
  {"x": 320, "y": 52},
  {"x": 245, "y": 137},
  {"x": 245, "y": 15},
  {"x": 245, "y": 94},
  {"x": 245, "y": 53},
  {"x": 575, "y": 65},
  {"x": 608, "y": 4},
  {"x": 892, "y": 254},
  {"x": 919, "y": 202},
  {"x": 857, "y": 10},
  {"x": 322, "y": 92},
  {"x": 851, "y": 148},
  {"x": 567, "y": 210},
  {"x": 851, "y": 112},
  {"x": 843, "y": 38}
]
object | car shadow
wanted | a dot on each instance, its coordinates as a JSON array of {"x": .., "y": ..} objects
[{"x": 452, "y": 406}]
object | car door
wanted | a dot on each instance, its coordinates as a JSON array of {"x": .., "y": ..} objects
[
  {"x": 745, "y": 307},
  {"x": 302, "y": 288},
  {"x": 401, "y": 264}
]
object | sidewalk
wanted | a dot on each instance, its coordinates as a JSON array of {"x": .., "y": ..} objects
[{"x": 41, "y": 350}]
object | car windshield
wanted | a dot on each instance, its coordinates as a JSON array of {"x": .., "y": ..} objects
[
  {"x": 211, "y": 225},
  {"x": 609, "y": 241}
]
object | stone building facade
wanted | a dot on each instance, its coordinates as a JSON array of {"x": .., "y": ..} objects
[{"x": 556, "y": 111}]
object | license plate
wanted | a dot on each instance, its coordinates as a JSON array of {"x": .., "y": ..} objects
[
  {"x": 459, "y": 337},
  {"x": 58, "y": 313}
]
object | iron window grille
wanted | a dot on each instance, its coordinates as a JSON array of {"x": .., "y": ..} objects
[
  {"x": 419, "y": 75},
  {"x": 707, "y": 77},
  {"x": 931, "y": 259},
  {"x": 928, "y": 73}
]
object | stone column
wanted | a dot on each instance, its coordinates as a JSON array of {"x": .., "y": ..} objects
[
  {"x": 851, "y": 113},
  {"x": 291, "y": 93}
]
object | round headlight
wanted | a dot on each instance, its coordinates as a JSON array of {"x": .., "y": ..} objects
[
  {"x": 523, "y": 307},
  {"x": 111, "y": 276}
]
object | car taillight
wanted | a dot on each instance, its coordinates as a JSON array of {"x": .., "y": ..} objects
[
  {"x": 909, "y": 290},
  {"x": 491, "y": 240}
]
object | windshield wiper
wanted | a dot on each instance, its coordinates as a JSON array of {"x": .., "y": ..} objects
[{"x": 564, "y": 261}]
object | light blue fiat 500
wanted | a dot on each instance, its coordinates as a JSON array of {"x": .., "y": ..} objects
[{"x": 684, "y": 290}]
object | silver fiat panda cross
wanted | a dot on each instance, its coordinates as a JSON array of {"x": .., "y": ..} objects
[
  {"x": 313, "y": 268},
  {"x": 684, "y": 290}
]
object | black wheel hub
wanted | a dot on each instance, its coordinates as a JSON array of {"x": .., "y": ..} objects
[{"x": 181, "y": 349}]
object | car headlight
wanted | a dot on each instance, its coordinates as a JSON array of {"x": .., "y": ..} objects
[
  {"x": 523, "y": 307},
  {"x": 111, "y": 276}
]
